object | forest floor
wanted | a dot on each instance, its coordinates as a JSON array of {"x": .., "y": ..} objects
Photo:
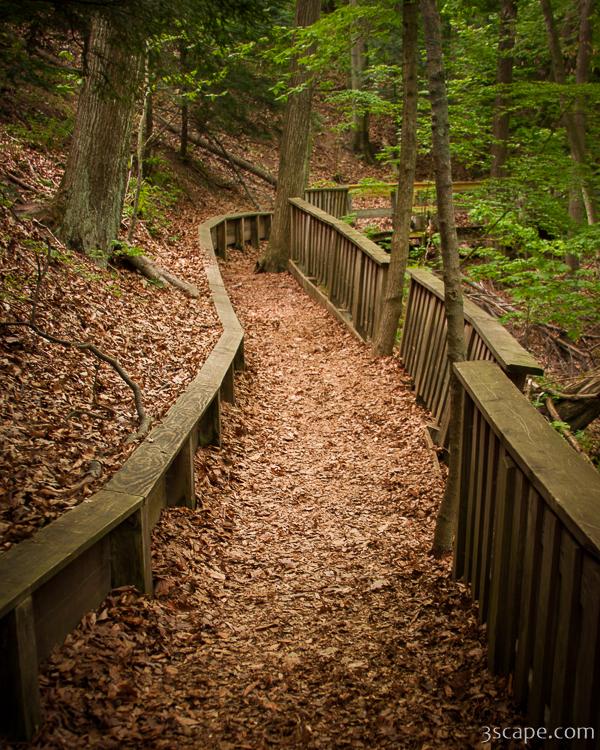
[{"x": 299, "y": 607}]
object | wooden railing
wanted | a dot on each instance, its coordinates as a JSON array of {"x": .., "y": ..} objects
[
  {"x": 67, "y": 568},
  {"x": 337, "y": 200},
  {"x": 334, "y": 200},
  {"x": 235, "y": 230},
  {"x": 424, "y": 350},
  {"x": 339, "y": 266},
  {"x": 528, "y": 542}
]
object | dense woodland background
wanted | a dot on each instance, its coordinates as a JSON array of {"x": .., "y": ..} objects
[{"x": 124, "y": 124}]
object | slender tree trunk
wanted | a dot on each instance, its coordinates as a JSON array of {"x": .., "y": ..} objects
[
  {"x": 360, "y": 119},
  {"x": 185, "y": 114},
  {"x": 88, "y": 206},
  {"x": 294, "y": 156},
  {"x": 504, "y": 77},
  {"x": 453, "y": 300},
  {"x": 385, "y": 336},
  {"x": 139, "y": 153},
  {"x": 574, "y": 120}
]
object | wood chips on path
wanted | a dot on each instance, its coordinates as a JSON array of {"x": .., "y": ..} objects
[{"x": 298, "y": 606}]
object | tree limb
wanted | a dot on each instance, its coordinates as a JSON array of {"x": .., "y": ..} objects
[
  {"x": 145, "y": 420},
  {"x": 568, "y": 435},
  {"x": 207, "y": 146}
]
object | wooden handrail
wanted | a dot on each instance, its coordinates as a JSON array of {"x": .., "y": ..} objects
[
  {"x": 338, "y": 266},
  {"x": 424, "y": 351},
  {"x": 528, "y": 543},
  {"x": 364, "y": 244}
]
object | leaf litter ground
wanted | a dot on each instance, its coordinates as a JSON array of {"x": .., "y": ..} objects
[{"x": 298, "y": 606}]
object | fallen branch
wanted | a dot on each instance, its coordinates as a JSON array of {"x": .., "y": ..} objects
[
  {"x": 207, "y": 146},
  {"x": 145, "y": 420},
  {"x": 156, "y": 273},
  {"x": 16, "y": 180},
  {"x": 235, "y": 170},
  {"x": 566, "y": 432}
]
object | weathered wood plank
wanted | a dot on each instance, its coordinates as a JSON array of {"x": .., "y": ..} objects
[
  {"x": 130, "y": 558},
  {"x": 498, "y": 629},
  {"x": 20, "y": 712},
  {"x": 59, "y": 603},
  {"x": 528, "y": 608},
  {"x": 569, "y": 485},
  {"x": 26, "y": 566}
]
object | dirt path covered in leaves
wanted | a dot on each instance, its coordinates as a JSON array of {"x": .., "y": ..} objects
[{"x": 299, "y": 606}]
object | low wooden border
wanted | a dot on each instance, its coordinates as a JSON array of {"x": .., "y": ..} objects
[{"x": 48, "y": 582}]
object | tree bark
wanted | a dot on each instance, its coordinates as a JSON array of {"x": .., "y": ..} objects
[
  {"x": 185, "y": 114},
  {"x": 294, "y": 154},
  {"x": 453, "y": 298},
  {"x": 360, "y": 120},
  {"x": 88, "y": 206},
  {"x": 385, "y": 336},
  {"x": 504, "y": 77},
  {"x": 574, "y": 120}
]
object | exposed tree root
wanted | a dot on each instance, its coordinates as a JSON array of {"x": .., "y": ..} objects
[
  {"x": 156, "y": 273},
  {"x": 145, "y": 421}
]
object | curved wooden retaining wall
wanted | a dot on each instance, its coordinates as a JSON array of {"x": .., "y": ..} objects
[
  {"x": 338, "y": 266},
  {"x": 48, "y": 582}
]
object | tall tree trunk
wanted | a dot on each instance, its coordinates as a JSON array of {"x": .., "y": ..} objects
[
  {"x": 185, "y": 113},
  {"x": 360, "y": 119},
  {"x": 574, "y": 120},
  {"x": 294, "y": 155},
  {"x": 385, "y": 336},
  {"x": 504, "y": 77},
  {"x": 453, "y": 299},
  {"x": 88, "y": 206}
]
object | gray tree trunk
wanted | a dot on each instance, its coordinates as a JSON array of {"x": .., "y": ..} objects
[
  {"x": 574, "y": 120},
  {"x": 504, "y": 77},
  {"x": 385, "y": 336},
  {"x": 88, "y": 206},
  {"x": 361, "y": 143},
  {"x": 294, "y": 154},
  {"x": 453, "y": 298}
]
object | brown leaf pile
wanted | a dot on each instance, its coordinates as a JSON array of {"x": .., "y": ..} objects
[
  {"x": 298, "y": 607},
  {"x": 63, "y": 419}
]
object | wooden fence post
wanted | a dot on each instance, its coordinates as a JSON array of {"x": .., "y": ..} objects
[
  {"x": 180, "y": 477},
  {"x": 20, "y": 712},
  {"x": 130, "y": 558}
]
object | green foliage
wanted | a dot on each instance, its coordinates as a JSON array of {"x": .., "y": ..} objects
[
  {"x": 533, "y": 272},
  {"x": 41, "y": 132},
  {"x": 158, "y": 193},
  {"x": 121, "y": 248}
]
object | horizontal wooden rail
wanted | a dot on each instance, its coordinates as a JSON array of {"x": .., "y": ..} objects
[
  {"x": 49, "y": 581},
  {"x": 337, "y": 200},
  {"x": 424, "y": 350},
  {"x": 339, "y": 266},
  {"x": 528, "y": 542}
]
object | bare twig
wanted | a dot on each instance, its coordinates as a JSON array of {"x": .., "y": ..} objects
[{"x": 145, "y": 420}]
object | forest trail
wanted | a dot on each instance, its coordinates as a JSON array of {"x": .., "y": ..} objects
[{"x": 299, "y": 607}]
